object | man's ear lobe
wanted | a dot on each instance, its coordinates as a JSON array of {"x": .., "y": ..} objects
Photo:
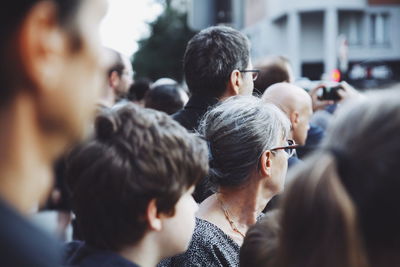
[
  {"x": 265, "y": 163},
  {"x": 153, "y": 217},
  {"x": 235, "y": 82},
  {"x": 114, "y": 79},
  {"x": 294, "y": 118},
  {"x": 43, "y": 45}
]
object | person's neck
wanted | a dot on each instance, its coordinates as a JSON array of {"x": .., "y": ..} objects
[
  {"x": 245, "y": 203},
  {"x": 25, "y": 161},
  {"x": 109, "y": 98},
  {"x": 144, "y": 253}
]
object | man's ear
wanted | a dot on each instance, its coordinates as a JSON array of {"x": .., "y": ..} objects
[
  {"x": 265, "y": 164},
  {"x": 234, "y": 83},
  {"x": 43, "y": 46},
  {"x": 153, "y": 217},
  {"x": 114, "y": 79},
  {"x": 294, "y": 119}
]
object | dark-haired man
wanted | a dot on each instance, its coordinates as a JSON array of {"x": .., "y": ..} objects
[
  {"x": 216, "y": 65},
  {"x": 50, "y": 73}
]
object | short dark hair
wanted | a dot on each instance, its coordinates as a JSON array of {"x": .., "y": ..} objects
[
  {"x": 211, "y": 56},
  {"x": 260, "y": 244},
  {"x": 274, "y": 71},
  {"x": 137, "y": 155},
  {"x": 165, "y": 97},
  {"x": 11, "y": 16},
  {"x": 139, "y": 89}
]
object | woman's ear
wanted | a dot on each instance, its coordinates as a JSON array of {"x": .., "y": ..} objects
[
  {"x": 153, "y": 216},
  {"x": 265, "y": 164}
]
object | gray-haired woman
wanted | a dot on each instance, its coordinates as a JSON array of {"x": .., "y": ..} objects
[{"x": 249, "y": 150}]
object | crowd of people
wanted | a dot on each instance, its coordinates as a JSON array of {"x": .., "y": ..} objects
[{"x": 239, "y": 169}]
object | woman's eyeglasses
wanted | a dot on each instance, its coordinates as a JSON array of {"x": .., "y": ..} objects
[
  {"x": 254, "y": 73},
  {"x": 289, "y": 149}
]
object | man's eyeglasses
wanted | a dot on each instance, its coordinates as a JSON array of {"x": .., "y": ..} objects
[
  {"x": 289, "y": 149},
  {"x": 254, "y": 73}
]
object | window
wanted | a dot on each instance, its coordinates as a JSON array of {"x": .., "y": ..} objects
[
  {"x": 380, "y": 29},
  {"x": 350, "y": 25}
]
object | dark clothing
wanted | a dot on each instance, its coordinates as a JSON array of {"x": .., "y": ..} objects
[
  {"x": 23, "y": 244},
  {"x": 314, "y": 137},
  {"x": 209, "y": 247},
  {"x": 190, "y": 116},
  {"x": 79, "y": 254},
  {"x": 293, "y": 161},
  {"x": 62, "y": 204}
]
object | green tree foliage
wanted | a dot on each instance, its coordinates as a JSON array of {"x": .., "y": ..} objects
[{"x": 160, "y": 55}]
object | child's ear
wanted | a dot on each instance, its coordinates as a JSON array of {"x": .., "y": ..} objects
[{"x": 153, "y": 216}]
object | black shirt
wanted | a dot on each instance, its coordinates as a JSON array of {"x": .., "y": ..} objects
[
  {"x": 77, "y": 253},
  {"x": 23, "y": 244},
  {"x": 190, "y": 116}
]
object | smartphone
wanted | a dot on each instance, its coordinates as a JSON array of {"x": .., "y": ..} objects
[{"x": 331, "y": 93}]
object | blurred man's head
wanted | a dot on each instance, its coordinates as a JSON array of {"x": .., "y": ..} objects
[
  {"x": 273, "y": 70},
  {"x": 297, "y": 105},
  {"x": 50, "y": 56},
  {"x": 215, "y": 63},
  {"x": 138, "y": 90},
  {"x": 120, "y": 75},
  {"x": 166, "y": 97},
  {"x": 51, "y": 74}
]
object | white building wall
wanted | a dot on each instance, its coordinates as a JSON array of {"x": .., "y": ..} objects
[
  {"x": 317, "y": 38},
  {"x": 391, "y": 51},
  {"x": 311, "y": 47}
]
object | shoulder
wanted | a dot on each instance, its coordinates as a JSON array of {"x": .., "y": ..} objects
[
  {"x": 209, "y": 247},
  {"x": 23, "y": 244}
]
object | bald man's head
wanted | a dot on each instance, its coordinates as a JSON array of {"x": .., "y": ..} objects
[{"x": 297, "y": 105}]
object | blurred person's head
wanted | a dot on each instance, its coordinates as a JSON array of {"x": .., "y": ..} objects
[
  {"x": 51, "y": 73},
  {"x": 342, "y": 207},
  {"x": 131, "y": 185},
  {"x": 164, "y": 81},
  {"x": 138, "y": 90},
  {"x": 273, "y": 70},
  {"x": 215, "y": 62},
  {"x": 242, "y": 133},
  {"x": 120, "y": 75},
  {"x": 297, "y": 105},
  {"x": 168, "y": 98},
  {"x": 260, "y": 244}
]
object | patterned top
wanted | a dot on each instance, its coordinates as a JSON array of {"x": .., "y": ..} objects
[{"x": 210, "y": 247}]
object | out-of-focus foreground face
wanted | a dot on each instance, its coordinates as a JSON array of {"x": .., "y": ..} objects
[{"x": 81, "y": 75}]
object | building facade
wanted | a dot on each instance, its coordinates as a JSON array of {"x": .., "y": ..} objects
[{"x": 314, "y": 34}]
